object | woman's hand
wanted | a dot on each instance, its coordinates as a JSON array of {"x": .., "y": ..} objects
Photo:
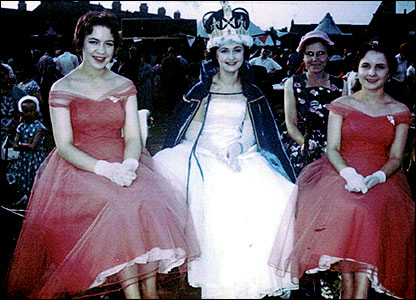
[
  {"x": 230, "y": 156},
  {"x": 375, "y": 178},
  {"x": 355, "y": 181},
  {"x": 118, "y": 173}
]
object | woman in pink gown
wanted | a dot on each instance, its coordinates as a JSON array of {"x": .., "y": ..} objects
[
  {"x": 353, "y": 211},
  {"x": 100, "y": 218}
]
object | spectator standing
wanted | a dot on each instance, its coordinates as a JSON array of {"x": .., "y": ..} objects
[
  {"x": 411, "y": 80},
  {"x": 66, "y": 62},
  {"x": 156, "y": 84},
  {"x": 29, "y": 142},
  {"x": 9, "y": 97},
  {"x": 266, "y": 61},
  {"x": 173, "y": 79},
  {"x": 10, "y": 94},
  {"x": 48, "y": 75},
  {"x": 144, "y": 84},
  {"x": 25, "y": 76},
  {"x": 396, "y": 86},
  {"x": 132, "y": 65}
]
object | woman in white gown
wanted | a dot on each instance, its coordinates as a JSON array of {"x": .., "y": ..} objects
[{"x": 223, "y": 150}]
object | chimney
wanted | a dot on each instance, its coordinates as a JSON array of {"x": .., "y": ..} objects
[
  {"x": 161, "y": 12},
  {"x": 144, "y": 8},
  {"x": 22, "y": 6},
  {"x": 177, "y": 15},
  {"x": 116, "y": 6}
]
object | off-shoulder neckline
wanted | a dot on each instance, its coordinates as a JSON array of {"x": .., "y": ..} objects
[
  {"x": 99, "y": 99},
  {"x": 404, "y": 112}
]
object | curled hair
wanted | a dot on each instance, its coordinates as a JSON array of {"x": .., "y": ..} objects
[
  {"x": 243, "y": 73},
  {"x": 86, "y": 23},
  {"x": 378, "y": 46},
  {"x": 212, "y": 54}
]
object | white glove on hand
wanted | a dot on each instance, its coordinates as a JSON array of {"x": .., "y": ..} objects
[
  {"x": 116, "y": 172},
  {"x": 355, "y": 181},
  {"x": 232, "y": 152},
  {"x": 375, "y": 178},
  {"x": 131, "y": 163}
]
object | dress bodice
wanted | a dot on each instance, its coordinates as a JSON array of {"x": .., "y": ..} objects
[
  {"x": 367, "y": 136},
  {"x": 96, "y": 123},
  {"x": 95, "y": 118},
  {"x": 224, "y": 121}
]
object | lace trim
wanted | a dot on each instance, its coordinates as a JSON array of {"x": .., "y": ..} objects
[
  {"x": 169, "y": 259},
  {"x": 325, "y": 262}
]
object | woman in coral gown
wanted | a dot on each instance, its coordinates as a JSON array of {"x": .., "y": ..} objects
[
  {"x": 99, "y": 217},
  {"x": 353, "y": 210}
]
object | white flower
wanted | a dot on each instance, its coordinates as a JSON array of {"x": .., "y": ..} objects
[
  {"x": 114, "y": 99},
  {"x": 391, "y": 119}
]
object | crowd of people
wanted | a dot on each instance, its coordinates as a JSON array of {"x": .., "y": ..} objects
[{"x": 236, "y": 203}]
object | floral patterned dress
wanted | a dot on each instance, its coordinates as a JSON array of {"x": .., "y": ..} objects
[
  {"x": 312, "y": 114},
  {"x": 23, "y": 170}
]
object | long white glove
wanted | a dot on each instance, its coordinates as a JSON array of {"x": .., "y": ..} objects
[
  {"x": 116, "y": 172},
  {"x": 355, "y": 181},
  {"x": 375, "y": 178}
]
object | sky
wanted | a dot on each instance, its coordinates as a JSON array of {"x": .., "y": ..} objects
[{"x": 265, "y": 14}]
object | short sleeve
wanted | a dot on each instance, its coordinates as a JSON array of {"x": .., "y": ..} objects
[
  {"x": 19, "y": 128},
  {"x": 339, "y": 108},
  {"x": 60, "y": 99},
  {"x": 126, "y": 90},
  {"x": 403, "y": 118}
]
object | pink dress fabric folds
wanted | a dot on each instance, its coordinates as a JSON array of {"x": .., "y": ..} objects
[
  {"x": 329, "y": 227},
  {"x": 81, "y": 229}
]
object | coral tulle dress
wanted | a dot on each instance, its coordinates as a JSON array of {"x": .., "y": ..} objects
[
  {"x": 81, "y": 229},
  {"x": 332, "y": 228}
]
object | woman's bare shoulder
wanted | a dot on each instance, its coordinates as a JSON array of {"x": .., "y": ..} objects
[
  {"x": 347, "y": 99},
  {"x": 117, "y": 79},
  {"x": 63, "y": 84},
  {"x": 397, "y": 107}
]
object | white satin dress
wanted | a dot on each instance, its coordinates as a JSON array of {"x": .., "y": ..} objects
[{"x": 236, "y": 214}]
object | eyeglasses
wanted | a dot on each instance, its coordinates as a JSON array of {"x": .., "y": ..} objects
[{"x": 319, "y": 54}]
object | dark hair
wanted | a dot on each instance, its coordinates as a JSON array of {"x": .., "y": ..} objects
[
  {"x": 212, "y": 54},
  {"x": 245, "y": 74},
  {"x": 378, "y": 46},
  {"x": 86, "y": 23},
  {"x": 29, "y": 101},
  {"x": 329, "y": 48}
]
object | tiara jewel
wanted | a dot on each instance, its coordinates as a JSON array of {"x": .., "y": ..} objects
[{"x": 227, "y": 24}]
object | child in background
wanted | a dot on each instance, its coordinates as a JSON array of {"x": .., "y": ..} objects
[{"x": 29, "y": 141}]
